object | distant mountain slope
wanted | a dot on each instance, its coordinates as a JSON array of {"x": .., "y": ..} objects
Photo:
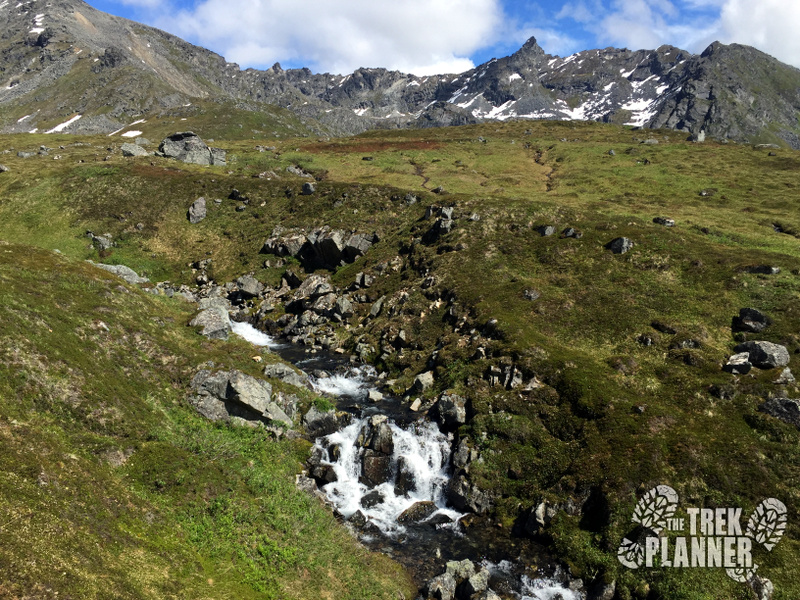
[{"x": 63, "y": 58}]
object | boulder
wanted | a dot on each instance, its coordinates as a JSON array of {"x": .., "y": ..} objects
[
  {"x": 666, "y": 222},
  {"x": 421, "y": 383},
  {"x": 466, "y": 497},
  {"x": 417, "y": 512},
  {"x": 571, "y": 232},
  {"x": 441, "y": 587},
  {"x": 249, "y": 286},
  {"x": 785, "y": 409},
  {"x": 376, "y": 468},
  {"x": 451, "y": 410},
  {"x": 765, "y": 355},
  {"x": 476, "y": 584},
  {"x": 546, "y": 230},
  {"x": 190, "y": 148},
  {"x": 197, "y": 211},
  {"x": 129, "y": 149},
  {"x": 371, "y": 499},
  {"x": 233, "y": 394},
  {"x": 215, "y": 322},
  {"x": 738, "y": 364},
  {"x": 750, "y": 319},
  {"x": 122, "y": 271},
  {"x": 620, "y": 245},
  {"x": 308, "y": 188},
  {"x": 4, "y": 169},
  {"x": 460, "y": 570},
  {"x": 286, "y": 374},
  {"x": 319, "y": 423}
]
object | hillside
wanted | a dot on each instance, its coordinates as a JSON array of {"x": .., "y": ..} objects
[
  {"x": 589, "y": 377},
  {"x": 64, "y": 60}
]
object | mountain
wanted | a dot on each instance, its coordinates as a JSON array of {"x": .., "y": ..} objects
[{"x": 63, "y": 58}]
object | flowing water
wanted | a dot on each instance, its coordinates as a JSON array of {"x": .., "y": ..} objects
[{"x": 419, "y": 472}]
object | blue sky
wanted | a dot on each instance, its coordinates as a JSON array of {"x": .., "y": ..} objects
[{"x": 448, "y": 36}]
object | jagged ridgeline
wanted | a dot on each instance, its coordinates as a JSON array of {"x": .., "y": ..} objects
[
  {"x": 583, "y": 311},
  {"x": 65, "y": 64}
]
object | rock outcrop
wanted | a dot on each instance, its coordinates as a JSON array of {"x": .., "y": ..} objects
[
  {"x": 188, "y": 147},
  {"x": 323, "y": 248},
  {"x": 236, "y": 396}
]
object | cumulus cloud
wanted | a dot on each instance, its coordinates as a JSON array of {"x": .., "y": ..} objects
[
  {"x": 338, "y": 36},
  {"x": 769, "y": 25}
]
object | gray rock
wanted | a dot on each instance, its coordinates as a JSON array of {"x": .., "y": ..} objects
[
  {"x": 441, "y": 587},
  {"x": 225, "y": 395},
  {"x": 312, "y": 288},
  {"x": 308, "y": 188},
  {"x": 460, "y": 570},
  {"x": 374, "y": 396},
  {"x": 249, "y": 286},
  {"x": 377, "y": 307},
  {"x": 190, "y": 148},
  {"x": 215, "y": 322},
  {"x": 785, "y": 409},
  {"x": 4, "y": 169},
  {"x": 750, "y": 319},
  {"x": 665, "y": 221},
  {"x": 216, "y": 302},
  {"x": 466, "y": 497},
  {"x": 142, "y": 141},
  {"x": 546, "y": 230},
  {"x": 765, "y": 355},
  {"x": 738, "y": 364},
  {"x": 319, "y": 423},
  {"x": 477, "y": 583},
  {"x": 197, "y": 211},
  {"x": 417, "y": 512},
  {"x": 620, "y": 245},
  {"x": 103, "y": 242},
  {"x": 452, "y": 410},
  {"x": 122, "y": 271},
  {"x": 421, "y": 383},
  {"x": 571, "y": 232},
  {"x": 650, "y": 141},
  {"x": 786, "y": 377},
  {"x": 22, "y": 154},
  {"x": 286, "y": 374},
  {"x": 129, "y": 149},
  {"x": 343, "y": 307}
]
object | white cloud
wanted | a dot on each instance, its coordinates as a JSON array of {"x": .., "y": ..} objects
[
  {"x": 770, "y": 25},
  {"x": 338, "y": 36}
]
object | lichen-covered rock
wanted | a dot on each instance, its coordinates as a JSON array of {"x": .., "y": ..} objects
[
  {"x": 215, "y": 322},
  {"x": 129, "y": 149},
  {"x": 765, "y": 355},
  {"x": 122, "y": 271},
  {"x": 451, "y": 410},
  {"x": 190, "y": 148},
  {"x": 226, "y": 395},
  {"x": 197, "y": 211}
]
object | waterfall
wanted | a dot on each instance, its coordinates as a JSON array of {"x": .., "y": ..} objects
[{"x": 418, "y": 472}]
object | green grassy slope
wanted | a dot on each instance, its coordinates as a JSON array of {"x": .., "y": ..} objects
[
  {"x": 111, "y": 486},
  {"x": 614, "y": 416}
]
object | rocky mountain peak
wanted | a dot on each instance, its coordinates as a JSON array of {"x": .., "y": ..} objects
[{"x": 116, "y": 69}]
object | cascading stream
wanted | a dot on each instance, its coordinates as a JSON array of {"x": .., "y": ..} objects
[
  {"x": 417, "y": 472},
  {"x": 397, "y": 476}
]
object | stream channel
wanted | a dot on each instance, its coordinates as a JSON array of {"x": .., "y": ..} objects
[{"x": 420, "y": 468}]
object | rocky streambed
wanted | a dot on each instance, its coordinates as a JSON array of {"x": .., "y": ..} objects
[{"x": 387, "y": 472}]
